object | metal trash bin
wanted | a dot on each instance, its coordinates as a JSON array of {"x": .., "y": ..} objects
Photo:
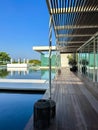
[{"x": 41, "y": 114}]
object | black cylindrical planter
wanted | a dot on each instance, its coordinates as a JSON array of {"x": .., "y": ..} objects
[
  {"x": 41, "y": 114},
  {"x": 52, "y": 108}
]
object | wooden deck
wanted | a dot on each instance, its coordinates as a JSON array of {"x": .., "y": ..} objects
[{"x": 76, "y": 104}]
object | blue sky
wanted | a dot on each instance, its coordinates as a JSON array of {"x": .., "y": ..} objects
[{"x": 23, "y": 24}]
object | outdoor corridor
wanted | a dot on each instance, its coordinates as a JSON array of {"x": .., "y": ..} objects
[{"x": 76, "y": 103}]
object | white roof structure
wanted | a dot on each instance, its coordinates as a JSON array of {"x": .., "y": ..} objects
[{"x": 43, "y": 48}]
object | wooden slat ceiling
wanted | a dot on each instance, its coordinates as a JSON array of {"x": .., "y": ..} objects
[{"x": 74, "y": 22}]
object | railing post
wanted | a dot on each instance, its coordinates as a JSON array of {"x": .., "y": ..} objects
[{"x": 50, "y": 43}]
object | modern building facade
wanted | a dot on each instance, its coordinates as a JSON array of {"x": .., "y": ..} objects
[
  {"x": 88, "y": 58},
  {"x": 57, "y": 59},
  {"x": 75, "y": 23},
  {"x": 44, "y": 54}
]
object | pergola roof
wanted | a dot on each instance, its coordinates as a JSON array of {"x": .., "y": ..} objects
[{"x": 74, "y": 22}]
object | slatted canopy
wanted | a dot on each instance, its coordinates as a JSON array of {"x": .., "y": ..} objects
[{"x": 74, "y": 22}]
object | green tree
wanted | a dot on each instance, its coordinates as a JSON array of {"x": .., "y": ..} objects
[
  {"x": 72, "y": 60},
  {"x": 4, "y": 57},
  {"x": 34, "y": 62}
]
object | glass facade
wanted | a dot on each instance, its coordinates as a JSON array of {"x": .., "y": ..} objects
[
  {"x": 88, "y": 59},
  {"x": 55, "y": 59}
]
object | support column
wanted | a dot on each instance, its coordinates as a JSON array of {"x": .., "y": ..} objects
[
  {"x": 50, "y": 43},
  {"x": 97, "y": 59},
  {"x": 81, "y": 61},
  {"x": 94, "y": 60},
  {"x": 56, "y": 57},
  {"x": 88, "y": 70},
  {"x": 89, "y": 61},
  {"x": 78, "y": 61}
]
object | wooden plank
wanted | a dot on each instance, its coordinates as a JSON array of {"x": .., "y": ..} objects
[{"x": 76, "y": 103}]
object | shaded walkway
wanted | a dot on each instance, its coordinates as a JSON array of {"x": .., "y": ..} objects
[{"x": 76, "y": 103}]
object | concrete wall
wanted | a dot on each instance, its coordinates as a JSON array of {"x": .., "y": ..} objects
[
  {"x": 17, "y": 65},
  {"x": 64, "y": 60}
]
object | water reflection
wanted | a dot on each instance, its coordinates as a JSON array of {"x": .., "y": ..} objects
[
  {"x": 45, "y": 74},
  {"x": 19, "y": 71},
  {"x": 25, "y": 73},
  {"x": 4, "y": 73}
]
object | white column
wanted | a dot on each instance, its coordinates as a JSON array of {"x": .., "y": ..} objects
[
  {"x": 27, "y": 61},
  {"x": 11, "y": 60},
  {"x": 18, "y": 61},
  {"x": 24, "y": 60}
]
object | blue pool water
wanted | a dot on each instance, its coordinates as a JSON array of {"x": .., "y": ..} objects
[
  {"x": 25, "y": 74},
  {"x": 16, "y": 110}
]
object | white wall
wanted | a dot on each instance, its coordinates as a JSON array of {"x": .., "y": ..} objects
[
  {"x": 64, "y": 60},
  {"x": 17, "y": 65}
]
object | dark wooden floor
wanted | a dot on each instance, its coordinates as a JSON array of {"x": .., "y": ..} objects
[{"x": 76, "y": 103}]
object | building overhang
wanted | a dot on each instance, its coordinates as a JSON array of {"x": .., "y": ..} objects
[
  {"x": 42, "y": 49},
  {"x": 74, "y": 22}
]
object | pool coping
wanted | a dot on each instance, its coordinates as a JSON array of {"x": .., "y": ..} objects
[{"x": 23, "y": 80}]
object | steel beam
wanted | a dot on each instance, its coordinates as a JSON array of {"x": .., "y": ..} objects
[
  {"x": 70, "y": 42},
  {"x": 71, "y": 49},
  {"x": 88, "y": 40},
  {"x": 74, "y": 35},
  {"x": 73, "y": 10},
  {"x": 69, "y": 46},
  {"x": 75, "y": 27},
  {"x": 72, "y": 45},
  {"x": 48, "y": 5}
]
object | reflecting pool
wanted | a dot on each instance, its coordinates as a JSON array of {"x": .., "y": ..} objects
[{"x": 16, "y": 109}]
